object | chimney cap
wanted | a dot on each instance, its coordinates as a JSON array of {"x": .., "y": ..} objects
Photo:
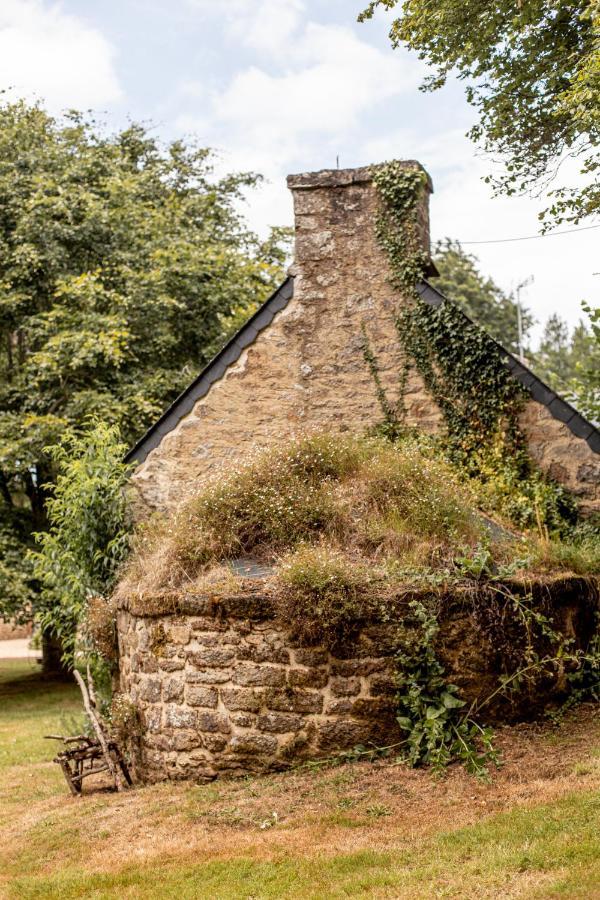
[{"x": 342, "y": 177}]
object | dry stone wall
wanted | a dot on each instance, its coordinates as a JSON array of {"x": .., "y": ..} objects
[
  {"x": 221, "y": 689},
  {"x": 224, "y": 692}
]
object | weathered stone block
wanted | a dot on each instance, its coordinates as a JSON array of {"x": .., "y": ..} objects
[
  {"x": 340, "y": 734},
  {"x": 279, "y": 723},
  {"x": 261, "y": 653},
  {"x": 348, "y": 667},
  {"x": 173, "y": 689},
  {"x": 207, "y": 638},
  {"x": 216, "y": 743},
  {"x": 294, "y": 700},
  {"x": 196, "y": 695},
  {"x": 261, "y": 676},
  {"x": 171, "y": 665},
  {"x": 152, "y": 718},
  {"x": 179, "y": 634},
  {"x": 345, "y": 687},
  {"x": 310, "y": 656},
  {"x": 147, "y": 664},
  {"x": 219, "y": 657},
  {"x": 208, "y": 676},
  {"x": 179, "y": 717},
  {"x": 210, "y": 721},
  {"x": 376, "y": 709},
  {"x": 381, "y": 685},
  {"x": 253, "y": 743},
  {"x": 313, "y": 678},
  {"x": 241, "y": 699},
  {"x": 242, "y": 720},
  {"x": 342, "y": 706},
  {"x": 149, "y": 690},
  {"x": 186, "y": 740}
]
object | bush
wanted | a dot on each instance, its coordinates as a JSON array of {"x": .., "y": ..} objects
[{"x": 88, "y": 537}]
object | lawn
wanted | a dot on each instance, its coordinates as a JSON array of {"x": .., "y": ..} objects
[{"x": 358, "y": 830}]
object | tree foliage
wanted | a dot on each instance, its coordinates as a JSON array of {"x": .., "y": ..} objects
[
  {"x": 532, "y": 72},
  {"x": 570, "y": 361},
  {"x": 88, "y": 535},
  {"x": 477, "y": 295},
  {"x": 123, "y": 265}
]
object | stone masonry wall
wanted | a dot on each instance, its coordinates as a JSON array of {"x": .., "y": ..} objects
[
  {"x": 306, "y": 371},
  {"x": 227, "y": 694},
  {"x": 222, "y": 689}
]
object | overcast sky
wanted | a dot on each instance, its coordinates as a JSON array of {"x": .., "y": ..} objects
[{"x": 280, "y": 86}]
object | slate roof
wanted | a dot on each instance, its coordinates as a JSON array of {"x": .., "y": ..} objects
[{"x": 261, "y": 319}]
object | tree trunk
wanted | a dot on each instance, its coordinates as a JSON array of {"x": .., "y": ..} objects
[{"x": 52, "y": 663}]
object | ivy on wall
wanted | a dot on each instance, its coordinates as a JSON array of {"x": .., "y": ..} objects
[{"x": 462, "y": 368}]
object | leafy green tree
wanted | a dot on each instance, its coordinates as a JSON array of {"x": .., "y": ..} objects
[
  {"x": 122, "y": 267},
  {"x": 570, "y": 361},
  {"x": 532, "y": 72},
  {"x": 478, "y": 296},
  {"x": 88, "y": 535},
  {"x": 585, "y": 383}
]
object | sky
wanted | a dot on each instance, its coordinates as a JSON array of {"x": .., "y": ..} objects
[{"x": 283, "y": 86}]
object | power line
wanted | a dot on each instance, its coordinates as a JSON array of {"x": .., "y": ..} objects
[{"x": 533, "y": 237}]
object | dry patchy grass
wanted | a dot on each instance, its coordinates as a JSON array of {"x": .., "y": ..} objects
[{"x": 373, "y": 830}]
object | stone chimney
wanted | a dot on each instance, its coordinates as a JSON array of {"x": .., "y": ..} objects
[
  {"x": 335, "y": 213},
  {"x": 342, "y": 290}
]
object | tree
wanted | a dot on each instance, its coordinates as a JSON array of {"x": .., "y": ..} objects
[
  {"x": 88, "y": 534},
  {"x": 478, "y": 296},
  {"x": 532, "y": 70},
  {"x": 585, "y": 384},
  {"x": 122, "y": 265},
  {"x": 570, "y": 362}
]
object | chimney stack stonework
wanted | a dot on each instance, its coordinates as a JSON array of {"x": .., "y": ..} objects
[{"x": 306, "y": 371}]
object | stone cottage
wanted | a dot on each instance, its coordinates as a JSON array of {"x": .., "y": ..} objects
[{"x": 219, "y": 687}]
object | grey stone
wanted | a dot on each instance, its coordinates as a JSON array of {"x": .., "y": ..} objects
[
  {"x": 261, "y": 676},
  {"x": 196, "y": 695}
]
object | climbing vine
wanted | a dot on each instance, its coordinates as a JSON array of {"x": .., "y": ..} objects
[
  {"x": 462, "y": 368},
  {"x": 464, "y": 371}
]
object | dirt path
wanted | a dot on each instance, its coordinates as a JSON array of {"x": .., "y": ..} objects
[{"x": 18, "y": 648}]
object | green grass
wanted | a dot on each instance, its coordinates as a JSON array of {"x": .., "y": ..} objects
[
  {"x": 559, "y": 840},
  {"x": 352, "y": 843},
  {"x": 31, "y": 706}
]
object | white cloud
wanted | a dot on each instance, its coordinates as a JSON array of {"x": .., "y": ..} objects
[
  {"x": 330, "y": 79},
  {"x": 51, "y": 55}
]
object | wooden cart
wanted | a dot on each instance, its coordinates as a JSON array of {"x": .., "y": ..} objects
[{"x": 83, "y": 755}]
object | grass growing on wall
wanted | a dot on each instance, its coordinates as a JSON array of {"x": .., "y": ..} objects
[{"x": 397, "y": 507}]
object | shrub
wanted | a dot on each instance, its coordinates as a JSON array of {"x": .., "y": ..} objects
[
  {"x": 419, "y": 493},
  {"x": 88, "y": 538}
]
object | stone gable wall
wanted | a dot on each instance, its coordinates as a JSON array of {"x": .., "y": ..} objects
[{"x": 306, "y": 371}]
